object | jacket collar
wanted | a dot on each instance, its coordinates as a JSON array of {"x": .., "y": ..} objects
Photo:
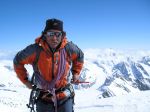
[{"x": 41, "y": 42}]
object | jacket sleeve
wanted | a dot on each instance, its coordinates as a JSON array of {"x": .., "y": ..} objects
[
  {"x": 26, "y": 56},
  {"x": 77, "y": 58}
]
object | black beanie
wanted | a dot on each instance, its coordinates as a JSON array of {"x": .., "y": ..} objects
[{"x": 53, "y": 24}]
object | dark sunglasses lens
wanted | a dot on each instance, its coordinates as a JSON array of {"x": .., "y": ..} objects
[{"x": 58, "y": 34}]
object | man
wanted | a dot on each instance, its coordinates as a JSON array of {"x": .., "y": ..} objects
[{"x": 52, "y": 58}]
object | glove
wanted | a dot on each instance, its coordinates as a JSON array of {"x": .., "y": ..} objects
[
  {"x": 75, "y": 78},
  {"x": 47, "y": 97},
  {"x": 28, "y": 85}
]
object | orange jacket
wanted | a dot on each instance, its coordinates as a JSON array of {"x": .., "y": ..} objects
[{"x": 48, "y": 61}]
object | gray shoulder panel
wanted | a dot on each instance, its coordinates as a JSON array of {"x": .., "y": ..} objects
[
  {"x": 21, "y": 55},
  {"x": 71, "y": 48}
]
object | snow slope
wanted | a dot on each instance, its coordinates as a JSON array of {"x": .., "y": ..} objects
[{"x": 86, "y": 100}]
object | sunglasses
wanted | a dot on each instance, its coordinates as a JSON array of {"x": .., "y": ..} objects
[{"x": 52, "y": 34}]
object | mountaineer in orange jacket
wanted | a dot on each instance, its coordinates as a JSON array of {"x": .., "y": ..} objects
[{"x": 52, "y": 58}]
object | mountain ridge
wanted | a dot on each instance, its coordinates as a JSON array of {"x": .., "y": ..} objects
[{"x": 122, "y": 70}]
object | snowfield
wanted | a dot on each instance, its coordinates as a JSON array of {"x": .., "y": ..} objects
[{"x": 15, "y": 100}]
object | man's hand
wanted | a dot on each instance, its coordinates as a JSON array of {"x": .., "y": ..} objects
[
  {"x": 75, "y": 78},
  {"x": 28, "y": 85}
]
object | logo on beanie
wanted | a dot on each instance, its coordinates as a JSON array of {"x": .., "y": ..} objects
[{"x": 55, "y": 24}]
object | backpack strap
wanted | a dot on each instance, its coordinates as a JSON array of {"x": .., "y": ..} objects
[
  {"x": 68, "y": 50},
  {"x": 38, "y": 51},
  {"x": 35, "y": 63}
]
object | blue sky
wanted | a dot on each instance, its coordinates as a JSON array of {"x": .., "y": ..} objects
[{"x": 121, "y": 24}]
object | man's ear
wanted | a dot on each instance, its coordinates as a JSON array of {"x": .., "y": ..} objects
[{"x": 44, "y": 37}]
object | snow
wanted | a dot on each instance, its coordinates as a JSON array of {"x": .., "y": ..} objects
[{"x": 85, "y": 101}]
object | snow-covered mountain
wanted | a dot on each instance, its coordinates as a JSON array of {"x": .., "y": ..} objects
[
  {"x": 115, "y": 72},
  {"x": 109, "y": 73}
]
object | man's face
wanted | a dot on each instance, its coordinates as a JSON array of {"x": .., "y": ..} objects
[{"x": 53, "y": 38}]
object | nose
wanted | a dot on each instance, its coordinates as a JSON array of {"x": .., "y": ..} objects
[{"x": 54, "y": 37}]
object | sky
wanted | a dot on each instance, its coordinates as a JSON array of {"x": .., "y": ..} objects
[{"x": 118, "y": 24}]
